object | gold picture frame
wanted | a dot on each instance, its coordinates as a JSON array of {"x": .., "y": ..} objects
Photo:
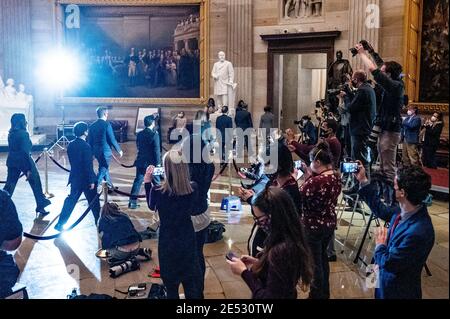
[
  {"x": 413, "y": 13},
  {"x": 203, "y": 45}
]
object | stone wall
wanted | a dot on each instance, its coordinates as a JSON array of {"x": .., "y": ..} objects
[{"x": 235, "y": 27}]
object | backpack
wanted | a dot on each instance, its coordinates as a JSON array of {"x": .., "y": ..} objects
[{"x": 215, "y": 231}]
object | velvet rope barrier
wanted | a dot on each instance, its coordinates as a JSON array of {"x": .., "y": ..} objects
[
  {"x": 37, "y": 237},
  {"x": 57, "y": 164},
  {"x": 123, "y": 165}
]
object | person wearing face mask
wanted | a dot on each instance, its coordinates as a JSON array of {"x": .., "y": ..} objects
[
  {"x": 402, "y": 249},
  {"x": 361, "y": 107},
  {"x": 433, "y": 130},
  {"x": 282, "y": 179},
  {"x": 410, "y": 136},
  {"x": 328, "y": 134},
  {"x": 308, "y": 130},
  {"x": 319, "y": 196},
  {"x": 286, "y": 260}
]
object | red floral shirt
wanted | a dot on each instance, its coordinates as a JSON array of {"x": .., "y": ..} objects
[{"x": 319, "y": 196}]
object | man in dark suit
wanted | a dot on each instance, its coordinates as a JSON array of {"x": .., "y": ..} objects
[
  {"x": 82, "y": 178},
  {"x": 362, "y": 107},
  {"x": 223, "y": 123},
  {"x": 102, "y": 140},
  {"x": 402, "y": 250},
  {"x": 149, "y": 153},
  {"x": 243, "y": 120}
]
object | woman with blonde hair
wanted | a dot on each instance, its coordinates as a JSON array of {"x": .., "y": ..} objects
[{"x": 174, "y": 201}]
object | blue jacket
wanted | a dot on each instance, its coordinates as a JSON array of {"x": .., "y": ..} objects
[
  {"x": 310, "y": 130},
  {"x": 149, "y": 150},
  {"x": 411, "y": 129},
  {"x": 402, "y": 260},
  {"x": 101, "y": 138},
  {"x": 81, "y": 166},
  {"x": 243, "y": 119},
  {"x": 222, "y": 123}
]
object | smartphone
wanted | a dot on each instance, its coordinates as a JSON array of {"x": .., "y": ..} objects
[
  {"x": 298, "y": 164},
  {"x": 349, "y": 167},
  {"x": 230, "y": 255},
  {"x": 158, "y": 171}
]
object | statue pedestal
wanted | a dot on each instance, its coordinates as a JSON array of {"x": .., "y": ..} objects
[{"x": 10, "y": 106}]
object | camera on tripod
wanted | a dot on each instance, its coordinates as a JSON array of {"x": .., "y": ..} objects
[
  {"x": 341, "y": 88},
  {"x": 366, "y": 45}
]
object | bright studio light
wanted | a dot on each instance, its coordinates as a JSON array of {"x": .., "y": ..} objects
[{"x": 60, "y": 69}]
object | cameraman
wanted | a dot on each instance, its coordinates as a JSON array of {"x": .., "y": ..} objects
[
  {"x": 361, "y": 106},
  {"x": 388, "y": 76},
  {"x": 308, "y": 130}
]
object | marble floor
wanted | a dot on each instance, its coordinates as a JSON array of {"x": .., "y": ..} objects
[{"x": 52, "y": 268}]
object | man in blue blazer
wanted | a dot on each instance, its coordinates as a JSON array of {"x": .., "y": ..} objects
[
  {"x": 148, "y": 153},
  {"x": 402, "y": 249},
  {"x": 82, "y": 178},
  {"x": 410, "y": 136},
  {"x": 102, "y": 140},
  {"x": 223, "y": 123}
]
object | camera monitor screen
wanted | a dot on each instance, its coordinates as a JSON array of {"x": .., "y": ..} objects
[{"x": 349, "y": 167}]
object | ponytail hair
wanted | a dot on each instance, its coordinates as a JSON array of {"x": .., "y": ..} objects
[{"x": 321, "y": 153}]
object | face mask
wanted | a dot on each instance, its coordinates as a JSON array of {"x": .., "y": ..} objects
[
  {"x": 433, "y": 119},
  {"x": 410, "y": 113},
  {"x": 304, "y": 122},
  {"x": 324, "y": 134}
]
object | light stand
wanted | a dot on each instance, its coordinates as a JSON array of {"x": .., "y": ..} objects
[{"x": 63, "y": 141}]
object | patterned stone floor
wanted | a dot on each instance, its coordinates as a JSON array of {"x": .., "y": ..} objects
[{"x": 51, "y": 269}]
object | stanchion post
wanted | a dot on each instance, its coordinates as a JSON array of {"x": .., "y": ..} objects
[
  {"x": 47, "y": 193},
  {"x": 105, "y": 191},
  {"x": 230, "y": 162}
]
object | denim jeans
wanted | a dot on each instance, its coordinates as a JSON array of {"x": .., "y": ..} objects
[
  {"x": 103, "y": 170},
  {"x": 138, "y": 180},
  {"x": 318, "y": 243}
]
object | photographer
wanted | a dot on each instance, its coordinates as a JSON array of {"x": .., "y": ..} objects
[
  {"x": 308, "y": 130},
  {"x": 401, "y": 250},
  {"x": 388, "y": 76},
  {"x": 361, "y": 106}
]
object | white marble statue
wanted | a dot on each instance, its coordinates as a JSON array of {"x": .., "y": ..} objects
[
  {"x": 224, "y": 86},
  {"x": 10, "y": 90},
  {"x": 12, "y": 102}
]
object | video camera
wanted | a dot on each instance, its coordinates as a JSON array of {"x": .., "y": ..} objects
[
  {"x": 342, "y": 88},
  {"x": 366, "y": 45}
]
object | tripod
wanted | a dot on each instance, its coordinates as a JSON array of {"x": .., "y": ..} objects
[{"x": 63, "y": 141}]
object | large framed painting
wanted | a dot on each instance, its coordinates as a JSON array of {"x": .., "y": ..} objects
[
  {"x": 137, "y": 51},
  {"x": 426, "y": 64}
]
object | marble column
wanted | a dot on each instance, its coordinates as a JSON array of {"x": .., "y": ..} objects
[
  {"x": 240, "y": 46},
  {"x": 362, "y": 27},
  {"x": 15, "y": 38}
]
